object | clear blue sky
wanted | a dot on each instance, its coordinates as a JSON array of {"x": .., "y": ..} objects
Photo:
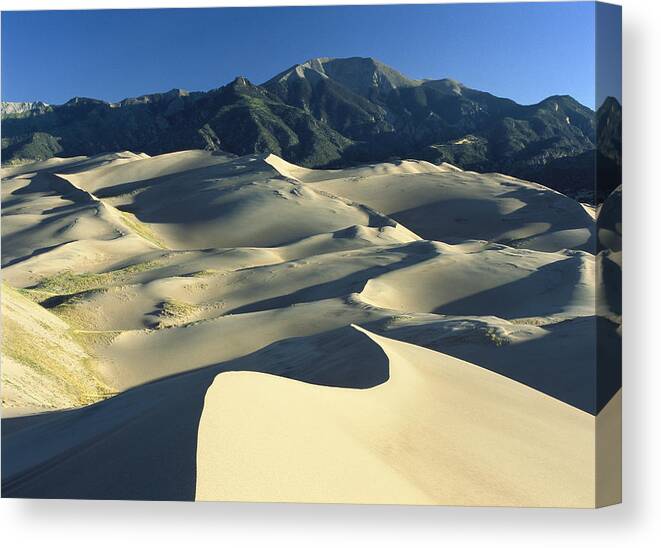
[{"x": 523, "y": 51}]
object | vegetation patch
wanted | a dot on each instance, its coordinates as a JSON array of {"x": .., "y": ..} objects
[
  {"x": 173, "y": 312},
  {"x": 496, "y": 336},
  {"x": 206, "y": 273},
  {"x": 35, "y": 295},
  {"x": 73, "y": 310},
  {"x": 141, "y": 229},
  {"x": 91, "y": 339},
  {"x": 176, "y": 309},
  {"x": 534, "y": 321},
  {"x": 46, "y": 366},
  {"x": 70, "y": 283}
]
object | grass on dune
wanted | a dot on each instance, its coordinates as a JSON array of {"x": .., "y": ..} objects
[
  {"x": 56, "y": 366},
  {"x": 69, "y": 283},
  {"x": 176, "y": 309},
  {"x": 74, "y": 373},
  {"x": 65, "y": 292},
  {"x": 203, "y": 273},
  {"x": 77, "y": 316},
  {"x": 90, "y": 339},
  {"x": 141, "y": 229},
  {"x": 173, "y": 312}
]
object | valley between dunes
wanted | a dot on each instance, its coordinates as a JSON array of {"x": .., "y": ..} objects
[{"x": 200, "y": 326}]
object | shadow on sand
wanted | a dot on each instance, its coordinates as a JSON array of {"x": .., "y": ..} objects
[{"x": 142, "y": 444}]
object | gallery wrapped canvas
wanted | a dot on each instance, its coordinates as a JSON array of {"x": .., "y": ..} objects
[{"x": 374, "y": 258}]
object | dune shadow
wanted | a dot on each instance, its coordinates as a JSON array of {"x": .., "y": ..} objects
[
  {"x": 609, "y": 285},
  {"x": 142, "y": 443},
  {"x": 68, "y": 208},
  {"x": 546, "y": 291},
  {"x": 41, "y": 182},
  {"x": 543, "y": 207},
  {"x": 188, "y": 196},
  {"x": 352, "y": 283},
  {"x": 342, "y": 358},
  {"x": 11, "y": 243},
  {"x": 130, "y": 447},
  {"x": 565, "y": 363},
  {"x": 608, "y": 373},
  {"x": 450, "y": 219},
  {"x": 482, "y": 219},
  {"x": 35, "y": 253}
]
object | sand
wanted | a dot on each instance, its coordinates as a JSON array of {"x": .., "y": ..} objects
[
  {"x": 446, "y": 204},
  {"x": 44, "y": 365},
  {"x": 401, "y": 332},
  {"x": 438, "y": 431}
]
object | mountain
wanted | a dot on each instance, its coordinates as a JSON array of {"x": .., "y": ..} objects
[
  {"x": 239, "y": 117},
  {"x": 609, "y": 129},
  {"x": 390, "y": 115},
  {"x": 18, "y": 109},
  {"x": 362, "y": 76},
  {"x": 609, "y": 148},
  {"x": 576, "y": 174},
  {"x": 328, "y": 113}
]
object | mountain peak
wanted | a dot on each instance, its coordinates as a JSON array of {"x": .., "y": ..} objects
[
  {"x": 446, "y": 85},
  {"x": 84, "y": 101},
  {"x": 610, "y": 104},
  {"x": 361, "y": 75},
  {"x": 358, "y": 61},
  {"x": 153, "y": 97},
  {"x": 176, "y": 92},
  {"x": 10, "y": 108},
  {"x": 562, "y": 103},
  {"x": 240, "y": 81}
]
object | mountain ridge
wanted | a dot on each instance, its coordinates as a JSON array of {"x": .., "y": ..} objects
[{"x": 325, "y": 112}]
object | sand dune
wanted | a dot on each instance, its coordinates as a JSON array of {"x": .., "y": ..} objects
[
  {"x": 557, "y": 359},
  {"x": 43, "y": 365},
  {"x": 223, "y": 203},
  {"x": 55, "y": 165},
  {"x": 107, "y": 175},
  {"x": 80, "y": 255},
  {"x": 495, "y": 281},
  {"x": 44, "y": 212},
  {"x": 447, "y": 204},
  {"x": 397, "y": 442},
  {"x": 399, "y": 332},
  {"x": 418, "y": 276},
  {"x": 229, "y": 436}
]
